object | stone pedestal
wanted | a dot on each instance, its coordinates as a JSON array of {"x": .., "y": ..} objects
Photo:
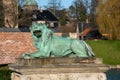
[{"x": 58, "y": 69}]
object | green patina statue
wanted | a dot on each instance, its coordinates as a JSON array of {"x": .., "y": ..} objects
[
  {"x": 30, "y": 2},
  {"x": 49, "y": 44}
]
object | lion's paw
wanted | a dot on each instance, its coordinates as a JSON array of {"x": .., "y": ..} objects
[{"x": 26, "y": 56}]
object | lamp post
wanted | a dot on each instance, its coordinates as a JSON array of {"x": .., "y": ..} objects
[
  {"x": 82, "y": 36},
  {"x": 77, "y": 20}
]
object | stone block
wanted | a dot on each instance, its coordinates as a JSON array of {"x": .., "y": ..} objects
[{"x": 57, "y": 69}]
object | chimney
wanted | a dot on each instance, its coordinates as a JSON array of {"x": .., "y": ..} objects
[{"x": 41, "y": 9}]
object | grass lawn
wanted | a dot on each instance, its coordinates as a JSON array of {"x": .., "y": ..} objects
[
  {"x": 106, "y": 49},
  {"x": 5, "y": 73}
]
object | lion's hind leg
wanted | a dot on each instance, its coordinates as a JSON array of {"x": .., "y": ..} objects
[{"x": 79, "y": 48}]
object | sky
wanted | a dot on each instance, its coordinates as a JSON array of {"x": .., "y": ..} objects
[{"x": 65, "y": 3}]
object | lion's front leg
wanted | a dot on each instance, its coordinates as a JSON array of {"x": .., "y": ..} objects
[
  {"x": 38, "y": 54},
  {"x": 31, "y": 55},
  {"x": 27, "y": 56}
]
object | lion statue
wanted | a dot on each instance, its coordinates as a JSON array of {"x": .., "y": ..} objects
[{"x": 49, "y": 44}]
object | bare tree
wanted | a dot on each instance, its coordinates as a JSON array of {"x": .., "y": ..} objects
[
  {"x": 78, "y": 10},
  {"x": 92, "y": 15},
  {"x": 54, "y": 5}
]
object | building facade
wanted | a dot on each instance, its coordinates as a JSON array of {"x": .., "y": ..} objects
[
  {"x": 32, "y": 14},
  {"x": 10, "y": 10}
]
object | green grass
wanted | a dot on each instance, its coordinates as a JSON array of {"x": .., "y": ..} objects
[
  {"x": 106, "y": 49},
  {"x": 5, "y": 73}
]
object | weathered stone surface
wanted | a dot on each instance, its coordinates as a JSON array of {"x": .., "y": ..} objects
[
  {"x": 75, "y": 68},
  {"x": 58, "y": 69},
  {"x": 61, "y": 76},
  {"x": 53, "y": 61},
  {"x": 57, "y": 60}
]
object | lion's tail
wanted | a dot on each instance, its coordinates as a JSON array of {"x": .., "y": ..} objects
[{"x": 88, "y": 49}]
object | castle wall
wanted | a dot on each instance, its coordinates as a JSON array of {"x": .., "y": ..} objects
[{"x": 13, "y": 44}]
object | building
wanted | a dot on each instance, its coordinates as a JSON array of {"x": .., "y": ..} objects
[
  {"x": 89, "y": 31},
  {"x": 45, "y": 16},
  {"x": 1, "y": 14},
  {"x": 32, "y": 14},
  {"x": 9, "y": 13}
]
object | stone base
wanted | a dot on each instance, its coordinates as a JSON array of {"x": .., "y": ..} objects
[
  {"x": 57, "y": 69},
  {"x": 55, "y": 60},
  {"x": 60, "y": 76}
]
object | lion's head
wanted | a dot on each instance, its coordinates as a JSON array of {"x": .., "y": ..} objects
[{"x": 37, "y": 29}]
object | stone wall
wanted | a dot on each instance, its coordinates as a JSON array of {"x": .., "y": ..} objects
[{"x": 13, "y": 44}]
